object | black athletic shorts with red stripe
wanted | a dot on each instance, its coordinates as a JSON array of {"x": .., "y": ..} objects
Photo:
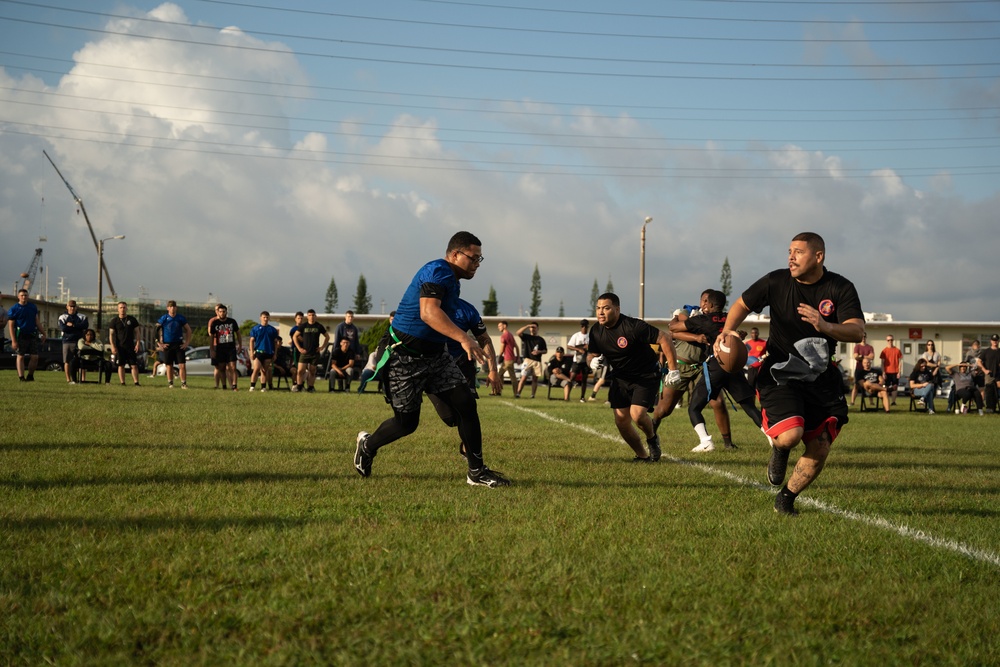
[{"x": 814, "y": 406}]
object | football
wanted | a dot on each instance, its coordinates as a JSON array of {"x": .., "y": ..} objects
[{"x": 731, "y": 353}]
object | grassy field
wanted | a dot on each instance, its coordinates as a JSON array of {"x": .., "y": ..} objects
[{"x": 155, "y": 526}]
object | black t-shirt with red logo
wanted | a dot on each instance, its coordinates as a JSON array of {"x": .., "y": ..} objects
[
  {"x": 626, "y": 348},
  {"x": 709, "y": 324},
  {"x": 833, "y": 295}
]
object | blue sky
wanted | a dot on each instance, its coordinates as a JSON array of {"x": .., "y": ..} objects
[{"x": 254, "y": 150}]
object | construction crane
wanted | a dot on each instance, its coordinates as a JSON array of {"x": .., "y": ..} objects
[
  {"x": 29, "y": 275},
  {"x": 79, "y": 202}
]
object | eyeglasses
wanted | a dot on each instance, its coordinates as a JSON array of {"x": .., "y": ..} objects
[
  {"x": 888, "y": 340},
  {"x": 476, "y": 259}
]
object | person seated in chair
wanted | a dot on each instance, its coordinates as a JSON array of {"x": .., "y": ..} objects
[
  {"x": 922, "y": 384},
  {"x": 92, "y": 354},
  {"x": 964, "y": 386},
  {"x": 869, "y": 381},
  {"x": 560, "y": 371},
  {"x": 342, "y": 366},
  {"x": 282, "y": 365}
]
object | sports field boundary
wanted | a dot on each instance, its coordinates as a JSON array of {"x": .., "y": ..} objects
[{"x": 914, "y": 534}]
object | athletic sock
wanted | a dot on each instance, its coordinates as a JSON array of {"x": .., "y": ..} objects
[{"x": 701, "y": 431}]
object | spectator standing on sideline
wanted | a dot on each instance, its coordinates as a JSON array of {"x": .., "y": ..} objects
[
  {"x": 348, "y": 330},
  {"x": 862, "y": 351},
  {"x": 578, "y": 343},
  {"x": 263, "y": 348},
  {"x": 510, "y": 353},
  {"x": 124, "y": 335},
  {"x": 224, "y": 332},
  {"x": 533, "y": 347},
  {"x": 73, "y": 327},
  {"x": 626, "y": 343},
  {"x": 26, "y": 335},
  {"x": 306, "y": 341},
  {"x": 175, "y": 336},
  {"x": 418, "y": 360},
  {"x": 933, "y": 359},
  {"x": 989, "y": 362},
  {"x": 800, "y": 387},
  {"x": 892, "y": 364}
]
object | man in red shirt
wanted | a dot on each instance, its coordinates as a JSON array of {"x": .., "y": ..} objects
[{"x": 892, "y": 359}]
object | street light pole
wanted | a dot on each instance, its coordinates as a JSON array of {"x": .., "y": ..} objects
[
  {"x": 642, "y": 269},
  {"x": 100, "y": 278}
]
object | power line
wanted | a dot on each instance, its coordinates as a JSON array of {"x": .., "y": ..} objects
[
  {"x": 478, "y": 100},
  {"x": 526, "y": 70}
]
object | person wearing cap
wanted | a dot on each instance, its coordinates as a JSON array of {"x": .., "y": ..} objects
[
  {"x": 560, "y": 372},
  {"x": 578, "y": 343},
  {"x": 964, "y": 387},
  {"x": 989, "y": 362}
]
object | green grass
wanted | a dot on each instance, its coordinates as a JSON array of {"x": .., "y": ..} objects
[{"x": 199, "y": 527}]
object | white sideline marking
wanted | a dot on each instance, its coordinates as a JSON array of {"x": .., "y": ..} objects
[{"x": 874, "y": 521}]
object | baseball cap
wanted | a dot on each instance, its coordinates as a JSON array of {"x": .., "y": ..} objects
[
  {"x": 995, "y": 337},
  {"x": 559, "y": 349}
]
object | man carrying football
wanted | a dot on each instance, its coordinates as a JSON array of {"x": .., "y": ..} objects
[{"x": 801, "y": 390}]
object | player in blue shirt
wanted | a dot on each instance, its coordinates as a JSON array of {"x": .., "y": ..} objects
[
  {"x": 419, "y": 360},
  {"x": 263, "y": 346},
  {"x": 175, "y": 335},
  {"x": 26, "y": 335}
]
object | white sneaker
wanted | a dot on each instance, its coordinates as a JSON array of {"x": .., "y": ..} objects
[
  {"x": 263, "y": 388},
  {"x": 705, "y": 446},
  {"x": 252, "y": 388}
]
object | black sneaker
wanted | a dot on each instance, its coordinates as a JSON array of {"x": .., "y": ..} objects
[
  {"x": 363, "y": 462},
  {"x": 785, "y": 506},
  {"x": 730, "y": 445},
  {"x": 776, "y": 466},
  {"x": 654, "y": 449},
  {"x": 311, "y": 390},
  {"x": 486, "y": 477}
]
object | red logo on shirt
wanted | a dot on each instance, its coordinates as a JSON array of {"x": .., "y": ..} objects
[
  {"x": 826, "y": 308},
  {"x": 622, "y": 342}
]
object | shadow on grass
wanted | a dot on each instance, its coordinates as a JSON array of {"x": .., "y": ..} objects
[
  {"x": 172, "y": 479},
  {"x": 209, "y": 524},
  {"x": 51, "y": 446}
]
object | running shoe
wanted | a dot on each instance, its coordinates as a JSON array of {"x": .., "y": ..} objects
[
  {"x": 777, "y": 465},
  {"x": 485, "y": 477},
  {"x": 363, "y": 462},
  {"x": 654, "y": 448}
]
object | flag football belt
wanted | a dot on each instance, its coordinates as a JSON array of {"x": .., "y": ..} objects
[{"x": 384, "y": 359}]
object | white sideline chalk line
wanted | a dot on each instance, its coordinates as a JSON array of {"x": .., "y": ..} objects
[{"x": 874, "y": 521}]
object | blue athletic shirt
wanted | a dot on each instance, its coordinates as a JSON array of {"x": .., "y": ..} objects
[
  {"x": 466, "y": 318},
  {"x": 173, "y": 328},
  {"x": 24, "y": 318},
  {"x": 264, "y": 337},
  {"x": 435, "y": 280}
]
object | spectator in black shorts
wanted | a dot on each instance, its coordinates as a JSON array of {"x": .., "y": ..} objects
[{"x": 124, "y": 336}]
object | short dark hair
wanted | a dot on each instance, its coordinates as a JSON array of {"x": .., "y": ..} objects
[
  {"x": 171, "y": 303},
  {"x": 461, "y": 241},
  {"x": 504, "y": 322},
  {"x": 612, "y": 297},
  {"x": 716, "y": 298},
  {"x": 310, "y": 312},
  {"x": 299, "y": 313},
  {"x": 221, "y": 306},
  {"x": 811, "y": 239},
  {"x": 22, "y": 290},
  {"x": 349, "y": 312},
  {"x": 264, "y": 312}
]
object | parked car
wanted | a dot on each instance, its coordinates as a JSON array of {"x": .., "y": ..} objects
[
  {"x": 49, "y": 356},
  {"x": 199, "y": 362}
]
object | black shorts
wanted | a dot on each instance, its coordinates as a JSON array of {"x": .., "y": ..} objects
[
  {"x": 625, "y": 393},
  {"x": 735, "y": 383},
  {"x": 309, "y": 358},
  {"x": 224, "y": 355},
  {"x": 263, "y": 356},
  {"x": 126, "y": 357},
  {"x": 813, "y": 406},
  {"x": 408, "y": 377},
  {"x": 28, "y": 345},
  {"x": 891, "y": 381},
  {"x": 174, "y": 354}
]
